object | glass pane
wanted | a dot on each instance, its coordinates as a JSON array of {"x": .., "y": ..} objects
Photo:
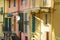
[
  {"x": 9, "y": 3},
  {"x": 33, "y": 3}
]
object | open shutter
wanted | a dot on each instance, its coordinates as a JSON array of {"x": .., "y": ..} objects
[
  {"x": 21, "y": 22},
  {"x": 33, "y": 22}
]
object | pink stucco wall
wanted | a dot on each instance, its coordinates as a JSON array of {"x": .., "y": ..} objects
[
  {"x": 13, "y": 10},
  {"x": 23, "y": 36}
]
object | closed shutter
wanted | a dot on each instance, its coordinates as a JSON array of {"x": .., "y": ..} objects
[
  {"x": 21, "y": 22},
  {"x": 33, "y": 23},
  {"x": 10, "y": 22},
  {"x": 6, "y": 24}
]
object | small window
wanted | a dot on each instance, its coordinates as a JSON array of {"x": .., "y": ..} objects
[
  {"x": 14, "y": 3},
  {"x": 44, "y": 2},
  {"x": 21, "y": 22},
  {"x": 1, "y": 9},
  {"x": 22, "y": 2},
  {"x": 33, "y": 3},
  {"x": 6, "y": 24},
  {"x": 9, "y": 3}
]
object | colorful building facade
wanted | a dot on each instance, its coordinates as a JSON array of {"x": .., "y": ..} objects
[
  {"x": 1, "y": 18},
  {"x": 11, "y": 21},
  {"x": 30, "y": 19},
  {"x": 40, "y": 18},
  {"x": 56, "y": 22}
]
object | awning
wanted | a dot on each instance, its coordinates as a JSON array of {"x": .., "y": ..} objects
[{"x": 9, "y": 15}]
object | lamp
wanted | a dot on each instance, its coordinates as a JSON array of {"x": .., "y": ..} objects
[{"x": 17, "y": 18}]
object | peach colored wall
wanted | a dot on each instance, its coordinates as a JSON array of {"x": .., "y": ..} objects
[{"x": 14, "y": 9}]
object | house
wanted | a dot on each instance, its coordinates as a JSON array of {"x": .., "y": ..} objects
[{"x": 40, "y": 18}]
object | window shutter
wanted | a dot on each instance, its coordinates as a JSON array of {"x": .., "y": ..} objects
[
  {"x": 6, "y": 24},
  {"x": 9, "y": 3},
  {"x": 10, "y": 22},
  {"x": 21, "y": 22},
  {"x": 14, "y": 3},
  {"x": 33, "y": 23}
]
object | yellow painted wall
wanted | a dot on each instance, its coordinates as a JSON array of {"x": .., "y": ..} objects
[
  {"x": 39, "y": 17},
  {"x": 1, "y": 25},
  {"x": 1, "y": 17},
  {"x": 56, "y": 22}
]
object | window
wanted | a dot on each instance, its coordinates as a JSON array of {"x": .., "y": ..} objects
[
  {"x": 33, "y": 3},
  {"x": 10, "y": 24},
  {"x": 44, "y": 2},
  {"x": 21, "y": 22},
  {"x": 14, "y": 3},
  {"x": 1, "y": 9},
  {"x": 22, "y": 2},
  {"x": 26, "y": 20},
  {"x": 9, "y": 3},
  {"x": 33, "y": 22},
  {"x": 7, "y": 24}
]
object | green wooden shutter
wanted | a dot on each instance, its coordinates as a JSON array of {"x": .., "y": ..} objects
[
  {"x": 21, "y": 22},
  {"x": 33, "y": 23},
  {"x": 6, "y": 24},
  {"x": 10, "y": 24}
]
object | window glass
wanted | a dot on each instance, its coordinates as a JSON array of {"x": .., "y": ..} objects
[{"x": 14, "y": 3}]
